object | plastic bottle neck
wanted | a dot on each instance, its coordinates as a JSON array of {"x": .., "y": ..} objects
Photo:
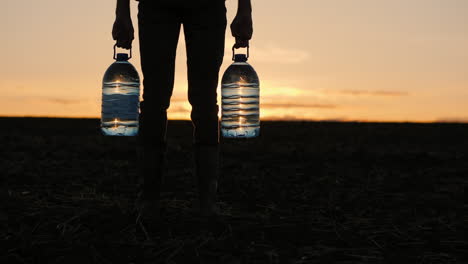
[
  {"x": 240, "y": 58},
  {"x": 122, "y": 57}
]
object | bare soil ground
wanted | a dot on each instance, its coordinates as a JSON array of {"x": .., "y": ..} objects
[{"x": 304, "y": 192}]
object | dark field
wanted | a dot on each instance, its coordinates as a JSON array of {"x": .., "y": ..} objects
[{"x": 303, "y": 192}]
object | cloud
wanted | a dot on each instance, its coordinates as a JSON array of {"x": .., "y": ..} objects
[
  {"x": 177, "y": 99},
  {"x": 45, "y": 99},
  {"x": 452, "y": 120},
  {"x": 179, "y": 109},
  {"x": 290, "y": 117},
  {"x": 275, "y": 54},
  {"x": 372, "y": 93},
  {"x": 296, "y": 105},
  {"x": 283, "y": 118},
  {"x": 63, "y": 101}
]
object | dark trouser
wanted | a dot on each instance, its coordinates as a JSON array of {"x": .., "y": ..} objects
[{"x": 204, "y": 29}]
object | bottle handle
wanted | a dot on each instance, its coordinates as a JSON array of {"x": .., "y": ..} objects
[
  {"x": 234, "y": 52},
  {"x": 115, "y": 52}
]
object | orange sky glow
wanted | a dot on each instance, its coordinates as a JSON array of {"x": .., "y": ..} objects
[{"x": 367, "y": 60}]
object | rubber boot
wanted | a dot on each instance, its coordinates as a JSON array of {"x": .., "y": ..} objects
[
  {"x": 206, "y": 159},
  {"x": 151, "y": 168}
]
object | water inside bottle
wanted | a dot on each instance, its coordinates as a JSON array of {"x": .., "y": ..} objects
[
  {"x": 240, "y": 105},
  {"x": 120, "y": 104}
]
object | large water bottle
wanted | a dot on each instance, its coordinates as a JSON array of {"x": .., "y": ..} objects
[
  {"x": 240, "y": 98},
  {"x": 120, "y": 98}
]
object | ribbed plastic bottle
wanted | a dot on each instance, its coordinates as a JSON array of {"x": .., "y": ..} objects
[
  {"x": 120, "y": 98},
  {"x": 240, "y": 100}
]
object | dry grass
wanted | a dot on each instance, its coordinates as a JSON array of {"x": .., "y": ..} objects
[{"x": 301, "y": 193}]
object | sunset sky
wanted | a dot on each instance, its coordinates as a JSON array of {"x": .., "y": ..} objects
[{"x": 365, "y": 60}]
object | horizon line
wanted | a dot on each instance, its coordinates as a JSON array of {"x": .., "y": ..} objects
[{"x": 441, "y": 121}]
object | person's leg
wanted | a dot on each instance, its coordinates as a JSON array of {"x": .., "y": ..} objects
[
  {"x": 204, "y": 29},
  {"x": 159, "y": 29}
]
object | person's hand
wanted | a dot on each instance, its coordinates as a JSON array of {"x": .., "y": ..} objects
[
  {"x": 241, "y": 29},
  {"x": 123, "y": 32}
]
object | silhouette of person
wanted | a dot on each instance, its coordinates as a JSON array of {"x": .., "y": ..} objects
[{"x": 204, "y": 23}]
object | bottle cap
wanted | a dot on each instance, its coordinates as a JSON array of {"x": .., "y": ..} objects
[
  {"x": 240, "y": 58},
  {"x": 122, "y": 57}
]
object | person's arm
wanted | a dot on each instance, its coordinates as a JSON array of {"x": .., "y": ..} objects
[
  {"x": 122, "y": 30},
  {"x": 241, "y": 27}
]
